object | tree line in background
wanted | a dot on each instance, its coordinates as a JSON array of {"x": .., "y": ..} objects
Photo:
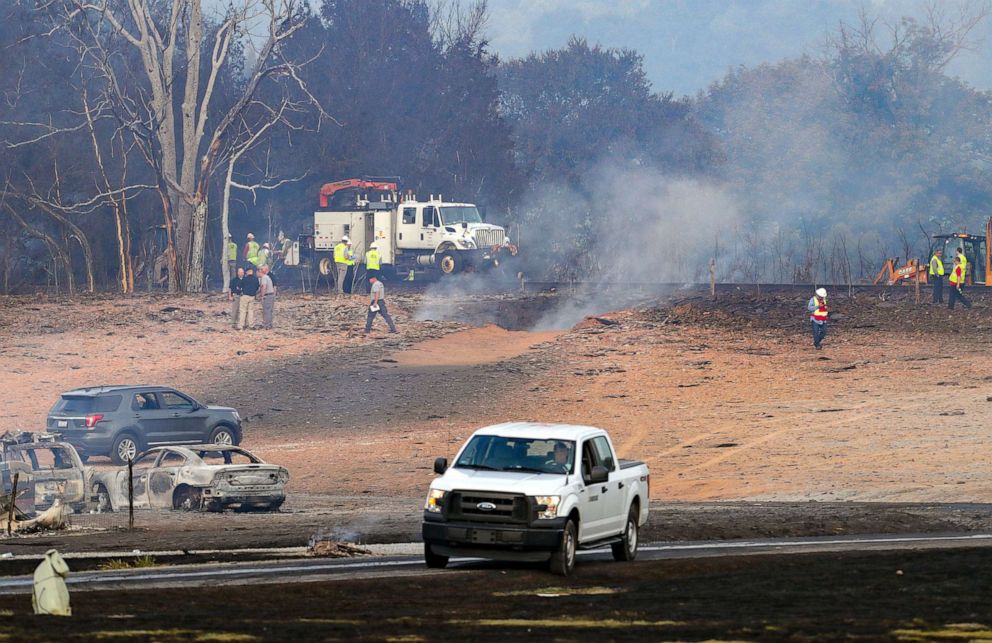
[{"x": 135, "y": 135}]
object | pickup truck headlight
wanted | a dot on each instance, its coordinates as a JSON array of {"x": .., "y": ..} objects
[
  {"x": 550, "y": 504},
  {"x": 435, "y": 501}
]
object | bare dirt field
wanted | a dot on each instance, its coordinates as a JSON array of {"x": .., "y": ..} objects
[{"x": 725, "y": 400}]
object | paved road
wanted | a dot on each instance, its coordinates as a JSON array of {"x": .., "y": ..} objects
[{"x": 392, "y": 566}]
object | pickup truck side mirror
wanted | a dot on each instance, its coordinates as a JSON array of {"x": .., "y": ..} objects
[
  {"x": 598, "y": 475},
  {"x": 440, "y": 465}
]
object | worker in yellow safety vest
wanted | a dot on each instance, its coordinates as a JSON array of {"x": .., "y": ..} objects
[
  {"x": 373, "y": 261},
  {"x": 251, "y": 250},
  {"x": 344, "y": 261},
  {"x": 957, "y": 281},
  {"x": 937, "y": 276},
  {"x": 232, "y": 256}
]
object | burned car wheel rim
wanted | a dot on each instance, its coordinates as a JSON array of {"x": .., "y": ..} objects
[
  {"x": 127, "y": 449},
  {"x": 102, "y": 499},
  {"x": 223, "y": 437}
]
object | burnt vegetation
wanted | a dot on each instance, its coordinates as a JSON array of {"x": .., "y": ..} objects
[{"x": 139, "y": 131}]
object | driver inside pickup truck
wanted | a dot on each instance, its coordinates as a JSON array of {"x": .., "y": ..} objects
[{"x": 561, "y": 456}]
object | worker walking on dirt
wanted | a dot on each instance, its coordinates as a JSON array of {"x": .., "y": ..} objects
[
  {"x": 249, "y": 289},
  {"x": 234, "y": 291},
  {"x": 957, "y": 281},
  {"x": 377, "y": 304},
  {"x": 267, "y": 291},
  {"x": 818, "y": 313},
  {"x": 964, "y": 265},
  {"x": 937, "y": 275},
  {"x": 344, "y": 260},
  {"x": 251, "y": 250}
]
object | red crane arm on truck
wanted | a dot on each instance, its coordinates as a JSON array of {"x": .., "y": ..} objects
[{"x": 329, "y": 189}]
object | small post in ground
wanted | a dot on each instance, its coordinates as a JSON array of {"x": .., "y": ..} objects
[
  {"x": 713, "y": 278},
  {"x": 13, "y": 499},
  {"x": 130, "y": 493},
  {"x": 917, "y": 285}
]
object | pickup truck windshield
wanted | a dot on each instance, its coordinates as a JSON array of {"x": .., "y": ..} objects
[
  {"x": 497, "y": 453},
  {"x": 451, "y": 215}
]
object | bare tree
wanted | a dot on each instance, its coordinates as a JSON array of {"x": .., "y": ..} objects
[{"x": 170, "y": 110}]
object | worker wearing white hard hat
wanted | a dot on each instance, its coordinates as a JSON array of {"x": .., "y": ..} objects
[
  {"x": 344, "y": 261},
  {"x": 251, "y": 250},
  {"x": 818, "y": 313},
  {"x": 373, "y": 261}
]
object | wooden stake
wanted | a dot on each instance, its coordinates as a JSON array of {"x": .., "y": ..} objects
[
  {"x": 130, "y": 493},
  {"x": 917, "y": 285},
  {"x": 13, "y": 499},
  {"x": 713, "y": 278}
]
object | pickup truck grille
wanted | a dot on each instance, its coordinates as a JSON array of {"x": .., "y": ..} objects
[
  {"x": 506, "y": 507},
  {"x": 487, "y": 238}
]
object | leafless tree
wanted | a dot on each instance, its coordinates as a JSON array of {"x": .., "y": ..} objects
[{"x": 166, "y": 106}]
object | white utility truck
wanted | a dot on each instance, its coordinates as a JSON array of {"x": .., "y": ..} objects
[
  {"x": 535, "y": 492},
  {"x": 410, "y": 235}
]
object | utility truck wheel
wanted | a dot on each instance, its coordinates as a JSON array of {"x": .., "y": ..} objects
[
  {"x": 563, "y": 559},
  {"x": 325, "y": 267},
  {"x": 626, "y": 549},
  {"x": 449, "y": 263},
  {"x": 434, "y": 561}
]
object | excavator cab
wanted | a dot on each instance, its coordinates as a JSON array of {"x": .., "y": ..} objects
[{"x": 974, "y": 247}]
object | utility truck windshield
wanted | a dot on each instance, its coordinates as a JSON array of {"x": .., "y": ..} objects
[
  {"x": 455, "y": 214},
  {"x": 497, "y": 453}
]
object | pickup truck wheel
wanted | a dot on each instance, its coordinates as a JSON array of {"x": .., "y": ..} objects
[
  {"x": 563, "y": 559},
  {"x": 434, "y": 561},
  {"x": 626, "y": 549}
]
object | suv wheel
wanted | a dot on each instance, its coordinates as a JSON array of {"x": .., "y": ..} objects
[
  {"x": 222, "y": 435},
  {"x": 125, "y": 448}
]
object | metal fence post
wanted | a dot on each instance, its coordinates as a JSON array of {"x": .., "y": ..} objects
[{"x": 130, "y": 493}]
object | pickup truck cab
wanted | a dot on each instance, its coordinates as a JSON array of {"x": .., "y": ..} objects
[{"x": 535, "y": 492}]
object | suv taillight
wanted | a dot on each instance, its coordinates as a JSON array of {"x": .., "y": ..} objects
[{"x": 91, "y": 420}]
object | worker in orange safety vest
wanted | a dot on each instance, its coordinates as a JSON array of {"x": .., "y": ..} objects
[{"x": 817, "y": 308}]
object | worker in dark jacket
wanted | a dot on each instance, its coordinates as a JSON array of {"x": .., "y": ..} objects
[
  {"x": 817, "y": 308},
  {"x": 937, "y": 276},
  {"x": 235, "y": 290},
  {"x": 957, "y": 282}
]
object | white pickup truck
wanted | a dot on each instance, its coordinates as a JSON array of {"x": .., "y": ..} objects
[{"x": 535, "y": 492}]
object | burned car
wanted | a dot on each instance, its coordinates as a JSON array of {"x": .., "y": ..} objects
[
  {"x": 205, "y": 476},
  {"x": 52, "y": 470}
]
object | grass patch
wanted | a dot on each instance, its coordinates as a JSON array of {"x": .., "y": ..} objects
[
  {"x": 606, "y": 623},
  {"x": 952, "y": 632},
  {"x": 554, "y": 592},
  {"x": 184, "y": 635},
  {"x": 119, "y": 563}
]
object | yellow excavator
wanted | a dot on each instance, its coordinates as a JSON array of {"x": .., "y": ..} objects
[{"x": 976, "y": 250}]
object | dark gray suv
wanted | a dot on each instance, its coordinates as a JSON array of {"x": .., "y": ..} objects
[{"x": 122, "y": 421}]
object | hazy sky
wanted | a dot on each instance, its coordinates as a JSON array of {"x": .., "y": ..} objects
[{"x": 688, "y": 44}]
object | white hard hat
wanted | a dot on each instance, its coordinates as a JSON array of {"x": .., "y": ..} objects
[
  {"x": 821, "y": 292},
  {"x": 373, "y": 246},
  {"x": 251, "y": 236},
  {"x": 346, "y": 239}
]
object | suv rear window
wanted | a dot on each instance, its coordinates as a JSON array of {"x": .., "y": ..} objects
[{"x": 88, "y": 404}]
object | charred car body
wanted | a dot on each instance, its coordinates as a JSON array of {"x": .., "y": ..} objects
[
  {"x": 206, "y": 476},
  {"x": 49, "y": 470}
]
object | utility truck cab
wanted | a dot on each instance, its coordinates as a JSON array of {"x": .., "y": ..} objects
[{"x": 535, "y": 492}]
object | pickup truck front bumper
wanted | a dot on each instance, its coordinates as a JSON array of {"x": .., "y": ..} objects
[{"x": 494, "y": 540}]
